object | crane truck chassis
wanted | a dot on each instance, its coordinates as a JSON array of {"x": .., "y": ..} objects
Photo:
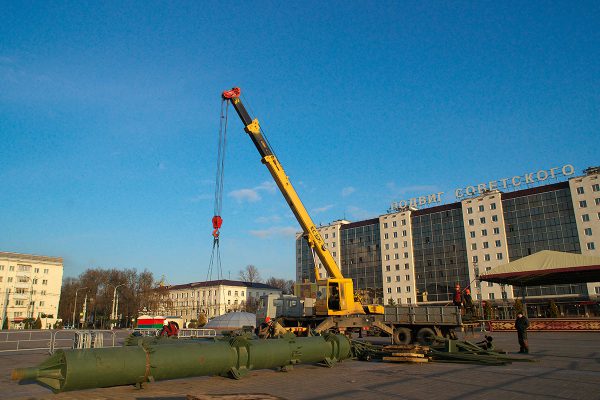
[{"x": 405, "y": 324}]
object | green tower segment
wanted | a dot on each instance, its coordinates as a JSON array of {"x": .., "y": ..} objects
[{"x": 151, "y": 360}]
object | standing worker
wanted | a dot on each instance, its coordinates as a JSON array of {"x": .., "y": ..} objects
[
  {"x": 521, "y": 325},
  {"x": 457, "y": 299},
  {"x": 468, "y": 300}
]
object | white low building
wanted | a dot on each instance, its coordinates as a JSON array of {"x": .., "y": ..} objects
[{"x": 212, "y": 298}]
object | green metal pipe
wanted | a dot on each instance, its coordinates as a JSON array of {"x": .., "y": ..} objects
[{"x": 152, "y": 360}]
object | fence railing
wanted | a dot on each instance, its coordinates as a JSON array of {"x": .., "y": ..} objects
[{"x": 52, "y": 340}]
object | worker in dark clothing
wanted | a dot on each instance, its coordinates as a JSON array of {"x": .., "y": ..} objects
[
  {"x": 521, "y": 325},
  {"x": 468, "y": 300}
]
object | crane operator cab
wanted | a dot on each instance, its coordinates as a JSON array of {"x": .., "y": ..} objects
[{"x": 336, "y": 297}]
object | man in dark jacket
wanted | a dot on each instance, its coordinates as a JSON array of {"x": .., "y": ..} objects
[{"x": 521, "y": 325}]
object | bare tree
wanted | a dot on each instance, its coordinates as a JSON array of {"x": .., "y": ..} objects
[
  {"x": 286, "y": 286},
  {"x": 250, "y": 274}
]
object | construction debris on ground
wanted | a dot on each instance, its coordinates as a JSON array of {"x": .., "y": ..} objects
[{"x": 443, "y": 350}]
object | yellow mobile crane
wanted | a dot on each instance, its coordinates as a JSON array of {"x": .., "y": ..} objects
[
  {"x": 337, "y": 308},
  {"x": 337, "y": 293}
]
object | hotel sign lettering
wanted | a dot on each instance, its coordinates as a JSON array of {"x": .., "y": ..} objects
[{"x": 516, "y": 181}]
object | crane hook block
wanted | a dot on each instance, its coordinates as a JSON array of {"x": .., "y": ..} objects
[
  {"x": 230, "y": 94},
  {"x": 217, "y": 221}
]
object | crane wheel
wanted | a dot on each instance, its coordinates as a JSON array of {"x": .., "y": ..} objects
[
  {"x": 426, "y": 336},
  {"x": 402, "y": 336}
]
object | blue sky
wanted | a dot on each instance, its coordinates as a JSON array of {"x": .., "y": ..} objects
[{"x": 109, "y": 116}]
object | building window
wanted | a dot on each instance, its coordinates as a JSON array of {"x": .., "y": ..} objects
[
  {"x": 471, "y": 222},
  {"x": 396, "y": 234},
  {"x": 406, "y": 266},
  {"x": 484, "y": 232},
  {"x": 481, "y": 208},
  {"x": 46, "y": 270},
  {"x": 385, "y": 236},
  {"x": 580, "y": 190},
  {"x": 596, "y": 187},
  {"x": 387, "y": 268},
  {"x": 397, "y": 267},
  {"x": 389, "y": 290},
  {"x": 588, "y": 231},
  {"x": 45, "y": 282},
  {"x": 494, "y": 218},
  {"x": 597, "y": 289},
  {"x": 470, "y": 210},
  {"x": 475, "y": 259},
  {"x": 490, "y": 284},
  {"x": 387, "y": 246},
  {"x": 473, "y": 246},
  {"x": 493, "y": 206},
  {"x": 407, "y": 277},
  {"x": 397, "y": 278},
  {"x": 387, "y": 257},
  {"x": 19, "y": 302},
  {"x": 585, "y": 217},
  {"x": 384, "y": 226},
  {"x": 498, "y": 243},
  {"x": 41, "y": 304},
  {"x": 334, "y": 254},
  {"x": 590, "y": 246},
  {"x": 395, "y": 245},
  {"x": 487, "y": 257},
  {"x": 498, "y": 256},
  {"x": 403, "y": 222},
  {"x": 393, "y": 224},
  {"x": 10, "y": 279},
  {"x": 388, "y": 279},
  {"x": 405, "y": 255},
  {"x": 398, "y": 290},
  {"x": 408, "y": 289},
  {"x": 597, "y": 200},
  {"x": 486, "y": 245},
  {"x": 472, "y": 233},
  {"x": 496, "y": 231},
  {"x": 491, "y": 296},
  {"x": 582, "y": 204},
  {"x": 11, "y": 268},
  {"x": 482, "y": 220}
]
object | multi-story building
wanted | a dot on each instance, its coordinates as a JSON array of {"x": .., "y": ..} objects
[
  {"x": 29, "y": 288},
  {"x": 212, "y": 298},
  {"x": 418, "y": 255}
]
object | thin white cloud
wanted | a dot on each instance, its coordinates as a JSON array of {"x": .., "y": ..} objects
[
  {"x": 201, "y": 197},
  {"x": 347, "y": 191},
  {"x": 358, "y": 213},
  {"x": 276, "y": 231},
  {"x": 322, "y": 209},
  {"x": 268, "y": 219},
  {"x": 252, "y": 195},
  {"x": 399, "y": 191},
  {"x": 249, "y": 195}
]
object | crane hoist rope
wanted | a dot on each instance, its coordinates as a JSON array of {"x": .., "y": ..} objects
[{"x": 217, "y": 220}]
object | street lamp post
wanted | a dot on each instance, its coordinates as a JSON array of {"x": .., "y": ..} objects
[
  {"x": 75, "y": 305},
  {"x": 115, "y": 305}
]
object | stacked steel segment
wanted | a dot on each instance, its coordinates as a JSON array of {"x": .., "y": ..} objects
[{"x": 150, "y": 360}]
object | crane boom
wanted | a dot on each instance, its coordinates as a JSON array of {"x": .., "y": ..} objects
[
  {"x": 336, "y": 293},
  {"x": 315, "y": 241}
]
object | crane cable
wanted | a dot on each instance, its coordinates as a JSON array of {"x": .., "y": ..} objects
[{"x": 217, "y": 220}]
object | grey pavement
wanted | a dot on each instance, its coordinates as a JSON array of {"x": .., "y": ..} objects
[{"x": 567, "y": 367}]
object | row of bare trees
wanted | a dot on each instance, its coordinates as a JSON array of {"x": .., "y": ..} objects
[
  {"x": 251, "y": 274},
  {"x": 97, "y": 285}
]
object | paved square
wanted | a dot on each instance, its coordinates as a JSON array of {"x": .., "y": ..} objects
[{"x": 567, "y": 367}]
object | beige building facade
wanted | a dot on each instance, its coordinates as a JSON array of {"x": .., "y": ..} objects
[
  {"x": 585, "y": 191},
  {"x": 30, "y": 287}
]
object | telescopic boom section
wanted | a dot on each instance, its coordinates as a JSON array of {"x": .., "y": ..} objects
[{"x": 315, "y": 241}]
